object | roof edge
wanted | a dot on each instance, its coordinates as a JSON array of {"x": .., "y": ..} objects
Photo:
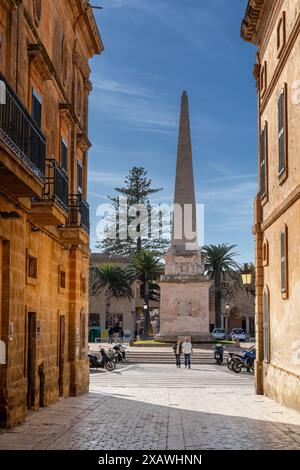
[{"x": 251, "y": 19}]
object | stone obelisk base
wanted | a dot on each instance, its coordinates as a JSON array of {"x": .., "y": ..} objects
[{"x": 184, "y": 309}]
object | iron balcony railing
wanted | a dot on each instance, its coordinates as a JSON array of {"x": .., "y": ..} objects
[
  {"x": 19, "y": 132},
  {"x": 79, "y": 212},
  {"x": 56, "y": 185}
]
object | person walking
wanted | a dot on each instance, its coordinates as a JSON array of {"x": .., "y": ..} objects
[
  {"x": 121, "y": 335},
  {"x": 187, "y": 351},
  {"x": 177, "y": 348},
  {"x": 110, "y": 335}
]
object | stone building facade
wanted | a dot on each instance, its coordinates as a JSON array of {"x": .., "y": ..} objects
[
  {"x": 129, "y": 314},
  {"x": 45, "y": 46},
  {"x": 274, "y": 27}
]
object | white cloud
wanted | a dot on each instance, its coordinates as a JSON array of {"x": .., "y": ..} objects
[
  {"x": 102, "y": 177},
  {"x": 114, "y": 86}
]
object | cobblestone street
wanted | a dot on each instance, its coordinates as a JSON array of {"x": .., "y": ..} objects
[{"x": 160, "y": 407}]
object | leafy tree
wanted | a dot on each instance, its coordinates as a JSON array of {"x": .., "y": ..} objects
[
  {"x": 111, "y": 281},
  {"x": 137, "y": 189},
  {"x": 219, "y": 261},
  {"x": 147, "y": 267}
]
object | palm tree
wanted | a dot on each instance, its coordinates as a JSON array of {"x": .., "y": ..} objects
[
  {"x": 111, "y": 282},
  {"x": 147, "y": 267},
  {"x": 219, "y": 261}
]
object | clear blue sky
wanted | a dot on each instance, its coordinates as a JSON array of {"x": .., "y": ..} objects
[{"x": 154, "y": 49}]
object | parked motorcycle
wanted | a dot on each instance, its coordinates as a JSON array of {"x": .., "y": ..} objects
[
  {"x": 219, "y": 354},
  {"x": 105, "y": 362},
  {"x": 232, "y": 357},
  {"x": 120, "y": 350},
  {"x": 245, "y": 362}
]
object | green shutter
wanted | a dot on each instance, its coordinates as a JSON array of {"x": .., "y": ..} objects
[
  {"x": 283, "y": 261},
  {"x": 281, "y": 132},
  {"x": 263, "y": 162}
]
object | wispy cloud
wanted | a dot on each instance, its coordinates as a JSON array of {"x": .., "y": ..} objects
[
  {"x": 113, "y": 86},
  {"x": 249, "y": 176},
  {"x": 142, "y": 114},
  {"x": 102, "y": 177}
]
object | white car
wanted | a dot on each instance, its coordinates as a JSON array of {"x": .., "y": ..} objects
[
  {"x": 237, "y": 333},
  {"x": 219, "y": 333}
]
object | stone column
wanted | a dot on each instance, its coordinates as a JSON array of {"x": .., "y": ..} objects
[{"x": 259, "y": 286}]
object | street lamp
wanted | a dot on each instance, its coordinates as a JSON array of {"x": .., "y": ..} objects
[{"x": 247, "y": 280}]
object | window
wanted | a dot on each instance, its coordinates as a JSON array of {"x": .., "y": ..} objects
[
  {"x": 284, "y": 261},
  {"x": 64, "y": 155},
  {"x": 266, "y": 330},
  {"x": 282, "y": 132},
  {"x": 263, "y": 161},
  {"x": 31, "y": 267},
  {"x": 266, "y": 253},
  {"x": 263, "y": 79},
  {"x": 36, "y": 111},
  {"x": 79, "y": 176},
  {"x": 281, "y": 34},
  {"x": 62, "y": 278}
]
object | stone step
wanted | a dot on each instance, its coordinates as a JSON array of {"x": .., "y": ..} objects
[{"x": 164, "y": 357}]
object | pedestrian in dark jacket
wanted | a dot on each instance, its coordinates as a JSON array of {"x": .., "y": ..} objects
[{"x": 177, "y": 348}]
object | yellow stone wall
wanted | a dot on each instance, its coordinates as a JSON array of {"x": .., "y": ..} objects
[
  {"x": 280, "y": 377},
  {"x": 60, "y": 78}
]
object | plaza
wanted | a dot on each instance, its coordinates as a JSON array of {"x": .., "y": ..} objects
[{"x": 158, "y": 407}]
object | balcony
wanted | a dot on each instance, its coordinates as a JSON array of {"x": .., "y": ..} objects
[
  {"x": 22, "y": 147},
  {"x": 77, "y": 229},
  {"x": 52, "y": 208}
]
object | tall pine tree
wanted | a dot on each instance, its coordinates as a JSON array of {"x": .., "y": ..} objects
[{"x": 137, "y": 189}]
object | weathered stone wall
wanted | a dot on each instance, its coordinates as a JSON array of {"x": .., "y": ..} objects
[
  {"x": 50, "y": 52},
  {"x": 277, "y": 34}
]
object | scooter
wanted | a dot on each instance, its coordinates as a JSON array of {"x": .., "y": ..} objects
[
  {"x": 105, "y": 362},
  {"x": 121, "y": 352},
  {"x": 219, "y": 354}
]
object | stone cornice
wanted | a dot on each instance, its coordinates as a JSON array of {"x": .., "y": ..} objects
[
  {"x": 83, "y": 10},
  {"x": 38, "y": 56},
  {"x": 281, "y": 209},
  {"x": 251, "y": 20}
]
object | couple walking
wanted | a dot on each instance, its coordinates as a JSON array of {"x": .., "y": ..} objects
[{"x": 187, "y": 349}]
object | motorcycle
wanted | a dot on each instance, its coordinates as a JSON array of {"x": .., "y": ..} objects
[
  {"x": 231, "y": 358},
  {"x": 245, "y": 362},
  {"x": 105, "y": 362},
  {"x": 219, "y": 354},
  {"x": 121, "y": 352}
]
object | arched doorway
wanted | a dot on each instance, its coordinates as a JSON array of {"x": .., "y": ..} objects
[{"x": 236, "y": 320}]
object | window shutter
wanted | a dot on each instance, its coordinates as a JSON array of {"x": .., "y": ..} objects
[
  {"x": 283, "y": 260},
  {"x": 282, "y": 131},
  {"x": 64, "y": 155},
  {"x": 36, "y": 108},
  {"x": 263, "y": 162}
]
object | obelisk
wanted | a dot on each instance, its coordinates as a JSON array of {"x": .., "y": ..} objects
[
  {"x": 184, "y": 220},
  {"x": 184, "y": 289}
]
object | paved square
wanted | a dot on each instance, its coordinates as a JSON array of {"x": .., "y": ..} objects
[{"x": 160, "y": 407}]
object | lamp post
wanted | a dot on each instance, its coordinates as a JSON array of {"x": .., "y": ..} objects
[{"x": 247, "y": 279}]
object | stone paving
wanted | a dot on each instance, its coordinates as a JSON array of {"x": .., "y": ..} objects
[{"x": 160, "y": 407}]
